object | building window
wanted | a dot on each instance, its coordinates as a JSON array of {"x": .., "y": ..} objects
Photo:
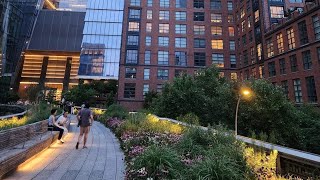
[
  {"x": 217, "y": 18},
  {"x": 311, "y": 89},
  {"x": 230, "y": 6},
  {"x": 130, "y": 90},
  {"x": 147, "y": 57},
  {"x": 181, "y": 16},
  {"x": 131, "y": 73},
  {"x": 163, "y": 58},
  {"x": 165, "y": 3},
  {"x": 163, "y": 28},
  {"x": 216, "y": 4},
  {"x": 163, "y": 41},
  {"x": 181, "y": 3},
  {"x": 134, "y": 26},
  {"x": 303, "y": 33},
  {"x": 233, "y": 61},
  {"x": 270, "y": 51},
  {"x": 149, "y": 27},
  {"x": 259, "y": 52},
  {"x": 253, "y": 72},
  {"x": 198, "y": 16},
  {"x": 245, "y": 57},
  {"x": 261, "y": 71},
  {"x": 280, "y": 43},
  {"x": 252, "y": 55},
  {"x": 285, "y": 87},
  {"x": 232, "y": 45},
  {"x": 159, "y": 88},
  {"x": 244, "y": 40},
  {"x": 149, "y": 14},
  {"x": 164, "y": 15},
  {"x": 218, "y": 60},
  {"x": 180, "y": 58},
  {"x": 297, "y": 90},
  {"x": 199, "y": 43},
  {"x": 133, "y": 40},
  {"x": 145, "y": 89},
  {"x": 230, "y": 18},
  {"x": 148, "y": 40},
  {"x": 134, "y": 13},
  {"x": 149, "y": 3},
  {"x": 242, "y": 12},
  {"x": 146, "y": 74},
  {"x": 163, "y": 74},
  {"x": 200, "y": 59},
  {"x": 276, "y": 11},
  {"x": 249, "y": 22},
  {"x": 316, "y": 27},
  {"x": 307, "y": 62},
  {"x": 231, "y": 31},
  {"x": 293, "y": 63},
  {"x": 291, "y": 40},
  {"x": 296, "y": 1},
  {"x": 179, "y": 72},
  {"x": 181, "y": 29},
  {"x": 198, "y": 3},
  {"x": 282, "y": 64},
  {"x": 216, "y": 30},
  {"x": 217, "y": 44},
  {"x": 272, "y": 69},
  {"x": 250, "y": 36},
  {"x": 180, "y": 42},
  {"x": 132, "y": 57},
  {"x": 256, "y": 16},
  {"x": 135, "y": 2},
  {"x": 198, "y": 30}
]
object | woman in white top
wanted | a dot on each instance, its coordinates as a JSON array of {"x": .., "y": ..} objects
[{"x": 54, "y": 126}]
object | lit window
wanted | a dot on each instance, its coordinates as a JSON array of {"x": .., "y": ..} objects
[
  {"x": 180, "y": 42},
  {"x": 270, "y": 51},
  {"x": 163, "y": 28},
  {"x": 218, "y": 60},
  {"x": 249, "y": 22},
  {"x": 316, "y": 27},
  {"x": 280, "y": 43},
  {"x": 216, "y": 18},
  {"x": 198, "y": 30},
  {"x": 230, "y": 6},
  {"x": 276, "y": 11},
  {"x": 163, "y": 41},
  {"x": 242, "y": 13},
  {"x": 147, "y": 57},
  {"x": 146, "y": 74},
  {"x": 259, "y": 51},
  {"x": 256, "y": 16},
  {"x": 145, "y": 89},
  {"x": 181, "y": 16},
  {"x": 148, "y": 27},
  {"x": 230, "y": 18},
  {"x": 297, "y": 90},
  {"x": 216, "y": 30},
  {"x": 217, "y": 44},
  {"x": 181, "y": 3},
  {"x": 134, "y": 26},
  {"x": 261, "y": 71},
  {"x": 135, "y": 2},
  {"x": 231, "y": 31},
  {"x": 163, "y": 74},
  {"x": 164, "y": 15},
  {"x": 243, "y": 25},
  {"x": 131, "y": 73},
  {"x": 234, "y": 76},
  {"x": 291, "y": 40},
  {"x": 163, "y": 58}
]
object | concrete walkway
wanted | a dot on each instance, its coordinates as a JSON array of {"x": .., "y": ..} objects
[{"x": 102, "y": 160}]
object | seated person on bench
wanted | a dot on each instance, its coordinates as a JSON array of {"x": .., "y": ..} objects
[
  {"x": 63, "y": 121},
  {"x": 54, "y": 126}
]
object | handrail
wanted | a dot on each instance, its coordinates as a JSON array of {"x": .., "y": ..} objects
[
  {"x": 285, "y": 150},
  {"x": 13, "y": 115}
]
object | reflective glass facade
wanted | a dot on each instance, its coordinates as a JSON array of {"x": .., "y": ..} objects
[{"x": 100, "y": 50}]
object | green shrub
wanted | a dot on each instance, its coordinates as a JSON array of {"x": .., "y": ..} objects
[
  {"x": 189, "y": 118},
  {"x": 116, "y": 110},
  {"x": 159, "y": 162}
]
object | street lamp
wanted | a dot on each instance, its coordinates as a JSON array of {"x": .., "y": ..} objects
[{"x": 245, "y": 92}]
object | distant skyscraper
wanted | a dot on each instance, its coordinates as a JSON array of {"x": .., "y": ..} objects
[
  {"x": 103, "y": 29},
  {"x": 72, "y": 5}
]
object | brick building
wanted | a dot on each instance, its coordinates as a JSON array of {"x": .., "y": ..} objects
[{"x": 163, "y": 38}]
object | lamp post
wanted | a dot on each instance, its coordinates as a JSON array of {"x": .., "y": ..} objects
[{"x": 246, "y": 93}]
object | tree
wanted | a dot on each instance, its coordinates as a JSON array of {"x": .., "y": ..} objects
[
  {"x": 148, "y": 99},
  {"x": 80, "y": 94}
]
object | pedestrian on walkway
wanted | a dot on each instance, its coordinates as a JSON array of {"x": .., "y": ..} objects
[
  {"x": 85, "y": 119},
  {"x": 54, "y": 126}
]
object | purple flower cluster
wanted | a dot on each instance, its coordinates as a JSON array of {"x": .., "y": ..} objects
[{"x": 114, "y": 122}]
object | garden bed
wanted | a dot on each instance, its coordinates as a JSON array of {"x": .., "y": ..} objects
[{"x": 157, "y": 149}]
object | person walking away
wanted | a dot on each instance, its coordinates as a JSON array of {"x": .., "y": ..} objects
[
  {"x": 63, "y": 122},
  {"x": 54, "y": 126},
  {"x": 85, "y": 119}
]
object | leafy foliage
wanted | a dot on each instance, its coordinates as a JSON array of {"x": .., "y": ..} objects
[
  {"x": 80, "y": 94},
  {"x": 7, "y": 95}
]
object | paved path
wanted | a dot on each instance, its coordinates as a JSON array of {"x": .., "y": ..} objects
[{"x": 102, "y": 160}]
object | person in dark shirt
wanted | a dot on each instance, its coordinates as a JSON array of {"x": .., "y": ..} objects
[{"x": 85, "y": 119}]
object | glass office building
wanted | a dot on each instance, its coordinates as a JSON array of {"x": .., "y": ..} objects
[
  {"x": 72, "y": 5},
  {"x": 101, "y": 44}
]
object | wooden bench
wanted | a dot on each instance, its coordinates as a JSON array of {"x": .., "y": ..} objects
[{"x": 19, "y": 144}]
